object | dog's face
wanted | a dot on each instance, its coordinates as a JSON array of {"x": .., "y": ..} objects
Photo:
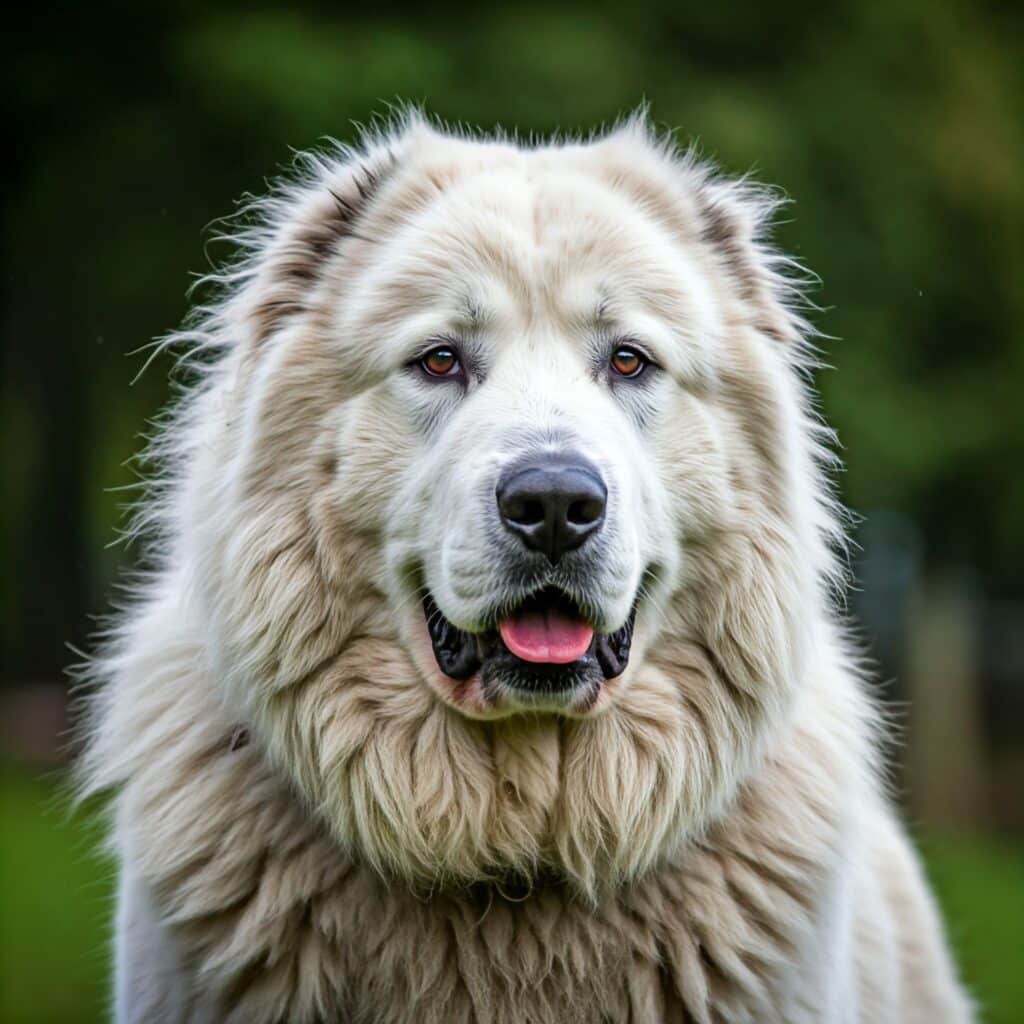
[
  {"x": 538, "y": 369},
  {"x": 512, "y": 435},
  {"x": 543, "y": 344}
]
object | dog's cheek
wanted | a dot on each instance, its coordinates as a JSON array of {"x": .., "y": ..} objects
[
  {"x": 292, "y": 572},
  {"x": 691, "y": 493},
  {"x": 741, "y": 584},
  {"x": 372, "y": 454}
]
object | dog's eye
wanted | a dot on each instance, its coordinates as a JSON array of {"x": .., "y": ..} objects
[
  {"x": 442, "y": 361},
  {"x": 627, "y": 362}
]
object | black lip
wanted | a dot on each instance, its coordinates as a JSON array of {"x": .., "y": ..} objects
[{"x": 461, "y": 654}]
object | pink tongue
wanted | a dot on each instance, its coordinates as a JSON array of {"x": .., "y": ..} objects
[{"x": 548, "y": 636}]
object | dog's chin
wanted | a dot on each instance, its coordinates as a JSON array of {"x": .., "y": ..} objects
[{"x": 541, "y": 656}]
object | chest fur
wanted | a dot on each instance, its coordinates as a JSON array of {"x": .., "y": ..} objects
[{"x": 275, "y": 923}]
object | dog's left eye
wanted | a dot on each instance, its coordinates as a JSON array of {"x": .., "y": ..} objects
[
  {"x": 628, "y": 362},
  {"x": 442, "y": 361}
]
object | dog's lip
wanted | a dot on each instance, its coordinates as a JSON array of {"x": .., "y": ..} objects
[{"x": 460, "y": 654}]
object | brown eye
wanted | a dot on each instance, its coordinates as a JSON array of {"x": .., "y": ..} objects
[
  {"x": 441, "y": 362},
  {"x": 627, "y": 362}
]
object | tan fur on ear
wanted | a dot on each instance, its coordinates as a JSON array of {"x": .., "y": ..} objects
[
  {"x": 302, "y": 227},
  {"x": 735, "y": 218},
  {"x": 309, "y": 237}
]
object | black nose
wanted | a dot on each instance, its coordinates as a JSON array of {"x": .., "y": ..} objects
[{"x": 552, "y": 504}]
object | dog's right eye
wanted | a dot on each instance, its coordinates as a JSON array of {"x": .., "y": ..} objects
[
  {"x": 628, "y": 362},
  {"x": 442, "y": 361}
]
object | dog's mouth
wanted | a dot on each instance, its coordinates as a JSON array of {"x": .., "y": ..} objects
[{"x": 545, "y": 645}]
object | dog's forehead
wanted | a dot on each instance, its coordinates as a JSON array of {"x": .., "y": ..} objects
[
  {"x": 560, "y": 226},
  {"x": 551, "y": 199}
]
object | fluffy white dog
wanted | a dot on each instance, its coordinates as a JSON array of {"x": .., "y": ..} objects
[{"x": 489, "y": 670}]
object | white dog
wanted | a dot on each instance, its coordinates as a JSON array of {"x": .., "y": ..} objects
[{"x": 490, "y": 669}]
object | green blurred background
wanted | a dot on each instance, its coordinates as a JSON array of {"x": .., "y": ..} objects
[{"x": 896, "y": 128}]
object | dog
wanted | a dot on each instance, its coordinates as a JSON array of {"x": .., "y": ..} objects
[{"x": 489, "y": 664}]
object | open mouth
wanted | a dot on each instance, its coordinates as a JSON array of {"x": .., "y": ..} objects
[{"x": 544, "y": 645}]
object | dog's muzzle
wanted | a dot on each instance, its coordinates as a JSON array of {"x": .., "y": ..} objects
[{"x": 544, "y": 645}]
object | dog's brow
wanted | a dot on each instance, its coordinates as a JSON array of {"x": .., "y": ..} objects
[{"x": 473, "y": 311}]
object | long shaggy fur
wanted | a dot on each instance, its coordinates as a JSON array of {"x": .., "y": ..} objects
[{"x": 307, "y": 830}]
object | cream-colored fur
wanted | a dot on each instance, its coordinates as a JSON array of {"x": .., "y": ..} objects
[{"x": 312, "y": 825}]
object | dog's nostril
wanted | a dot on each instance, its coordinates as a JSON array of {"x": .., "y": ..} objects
[
  {"x": 585, "y": 512},
  {"x": 529, "y": 513}
]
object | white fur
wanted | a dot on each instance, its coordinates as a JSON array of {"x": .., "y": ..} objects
[{"x": 314, "y": 823}]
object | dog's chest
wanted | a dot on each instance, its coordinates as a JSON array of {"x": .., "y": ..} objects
[
  {"x": 275, "y": 924},
  {"x": 703, "y": 945}
]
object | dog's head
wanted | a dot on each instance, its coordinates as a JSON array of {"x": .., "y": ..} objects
[{"x": 503, "y": 512}]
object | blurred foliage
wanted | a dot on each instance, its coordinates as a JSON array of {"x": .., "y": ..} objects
[{"x": 897, "y": 129}]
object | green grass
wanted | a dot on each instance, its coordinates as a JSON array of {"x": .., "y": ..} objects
[
  {"x": 55, "y": 907},
  {"x": 980, "y": 885},
  {"x": 56, "y": 901}
]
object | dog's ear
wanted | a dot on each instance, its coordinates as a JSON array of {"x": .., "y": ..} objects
[
  {"x": 288, "y": 238},
  {"x": 309, "y": 225},
  {"x": 731, "y": 218},
  {"x": 736, "y": 217}
]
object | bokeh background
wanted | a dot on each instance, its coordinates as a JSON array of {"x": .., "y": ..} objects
[{"x": 896, "y": 128}]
